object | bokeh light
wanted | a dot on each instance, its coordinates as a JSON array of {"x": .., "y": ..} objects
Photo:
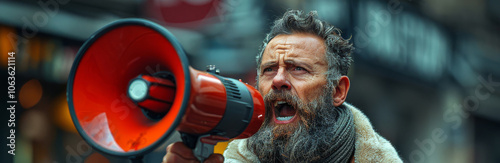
[{"x": 30, "y": 93}]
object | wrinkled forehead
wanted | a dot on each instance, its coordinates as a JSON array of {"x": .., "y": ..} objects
[{"x": 296, "y": 45}]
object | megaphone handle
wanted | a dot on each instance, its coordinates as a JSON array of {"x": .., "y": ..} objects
[{"x": 201, "y": 150}]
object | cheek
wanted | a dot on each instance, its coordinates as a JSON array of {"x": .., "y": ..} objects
[
  {"x": 309, "y": 90},
  {"x": 263, "y": 87}
]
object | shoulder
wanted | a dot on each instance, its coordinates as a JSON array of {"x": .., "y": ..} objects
[
  {"x": 237, "y": 151},
  {"x": 370, "y": 146}
]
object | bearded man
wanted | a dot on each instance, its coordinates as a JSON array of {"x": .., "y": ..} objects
[{"x": 301, "y": 71}]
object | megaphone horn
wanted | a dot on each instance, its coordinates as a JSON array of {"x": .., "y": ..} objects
[{"x": 202, "y": 105}]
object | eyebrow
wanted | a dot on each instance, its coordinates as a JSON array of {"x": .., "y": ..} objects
[
  {"x": 268, "y": 64},
  {"x": 289, "y": 62}
]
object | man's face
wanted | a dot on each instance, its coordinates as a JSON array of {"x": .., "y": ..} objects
[
  {"x": 293, "y": 64},
  {"x": 302, "y": 117}
]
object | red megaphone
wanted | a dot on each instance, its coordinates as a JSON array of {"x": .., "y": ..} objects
[{"x": 131, "y": 87}]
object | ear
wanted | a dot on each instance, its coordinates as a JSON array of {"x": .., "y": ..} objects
[{"x": 340, "y": 91}]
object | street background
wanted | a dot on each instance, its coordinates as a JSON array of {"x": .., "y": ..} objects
[{"x": 426, "y": 73}]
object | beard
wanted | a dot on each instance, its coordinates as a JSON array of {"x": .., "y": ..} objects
[{"x": 322, "y": 132}]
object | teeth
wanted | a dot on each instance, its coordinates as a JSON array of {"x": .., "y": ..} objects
[
  {"x": 279, "y": 103},
  {"x": 284, "y": 118},
  {"x": 281, "y": 118}
]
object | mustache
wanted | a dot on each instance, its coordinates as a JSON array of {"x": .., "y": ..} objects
[{"x": 272, "y": 96}]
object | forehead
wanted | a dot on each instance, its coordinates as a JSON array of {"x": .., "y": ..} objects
[{"x": 296, "y": 45}]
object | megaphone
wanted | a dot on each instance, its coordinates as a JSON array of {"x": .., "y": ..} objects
[{"x": 131, "y": 87}]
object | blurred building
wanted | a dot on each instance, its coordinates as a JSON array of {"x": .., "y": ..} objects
[{"x": 427, "y": 73}]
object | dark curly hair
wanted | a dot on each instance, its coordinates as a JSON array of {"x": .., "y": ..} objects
[{"x": 338, "y": 49}]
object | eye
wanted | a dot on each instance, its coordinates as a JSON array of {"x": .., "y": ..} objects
[
  {"x": 299, "y": 69},
  {"x": 268, "y": 71}
]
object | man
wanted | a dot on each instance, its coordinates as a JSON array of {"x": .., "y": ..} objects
[{"x": 301, "y": 72}]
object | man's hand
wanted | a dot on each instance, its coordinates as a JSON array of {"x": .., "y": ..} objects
[{"x": 178, "y": 152}]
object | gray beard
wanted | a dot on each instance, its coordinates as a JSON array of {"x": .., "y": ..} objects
[{"x": 324, "y": 133}]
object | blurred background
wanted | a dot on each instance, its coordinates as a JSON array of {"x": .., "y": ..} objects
[{"x": 426, "y": 73}]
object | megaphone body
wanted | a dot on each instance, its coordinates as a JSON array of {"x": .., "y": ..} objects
[{"x": 131, "y": 87}]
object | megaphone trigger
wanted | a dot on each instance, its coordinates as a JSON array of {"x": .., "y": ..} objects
[{"x": 202, "y": 145}]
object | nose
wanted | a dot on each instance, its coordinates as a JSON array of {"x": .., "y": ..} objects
[{"x": 280, "y": 82}]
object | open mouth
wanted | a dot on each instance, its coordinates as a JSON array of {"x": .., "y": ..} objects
[{"x": 283, "y": 112}]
